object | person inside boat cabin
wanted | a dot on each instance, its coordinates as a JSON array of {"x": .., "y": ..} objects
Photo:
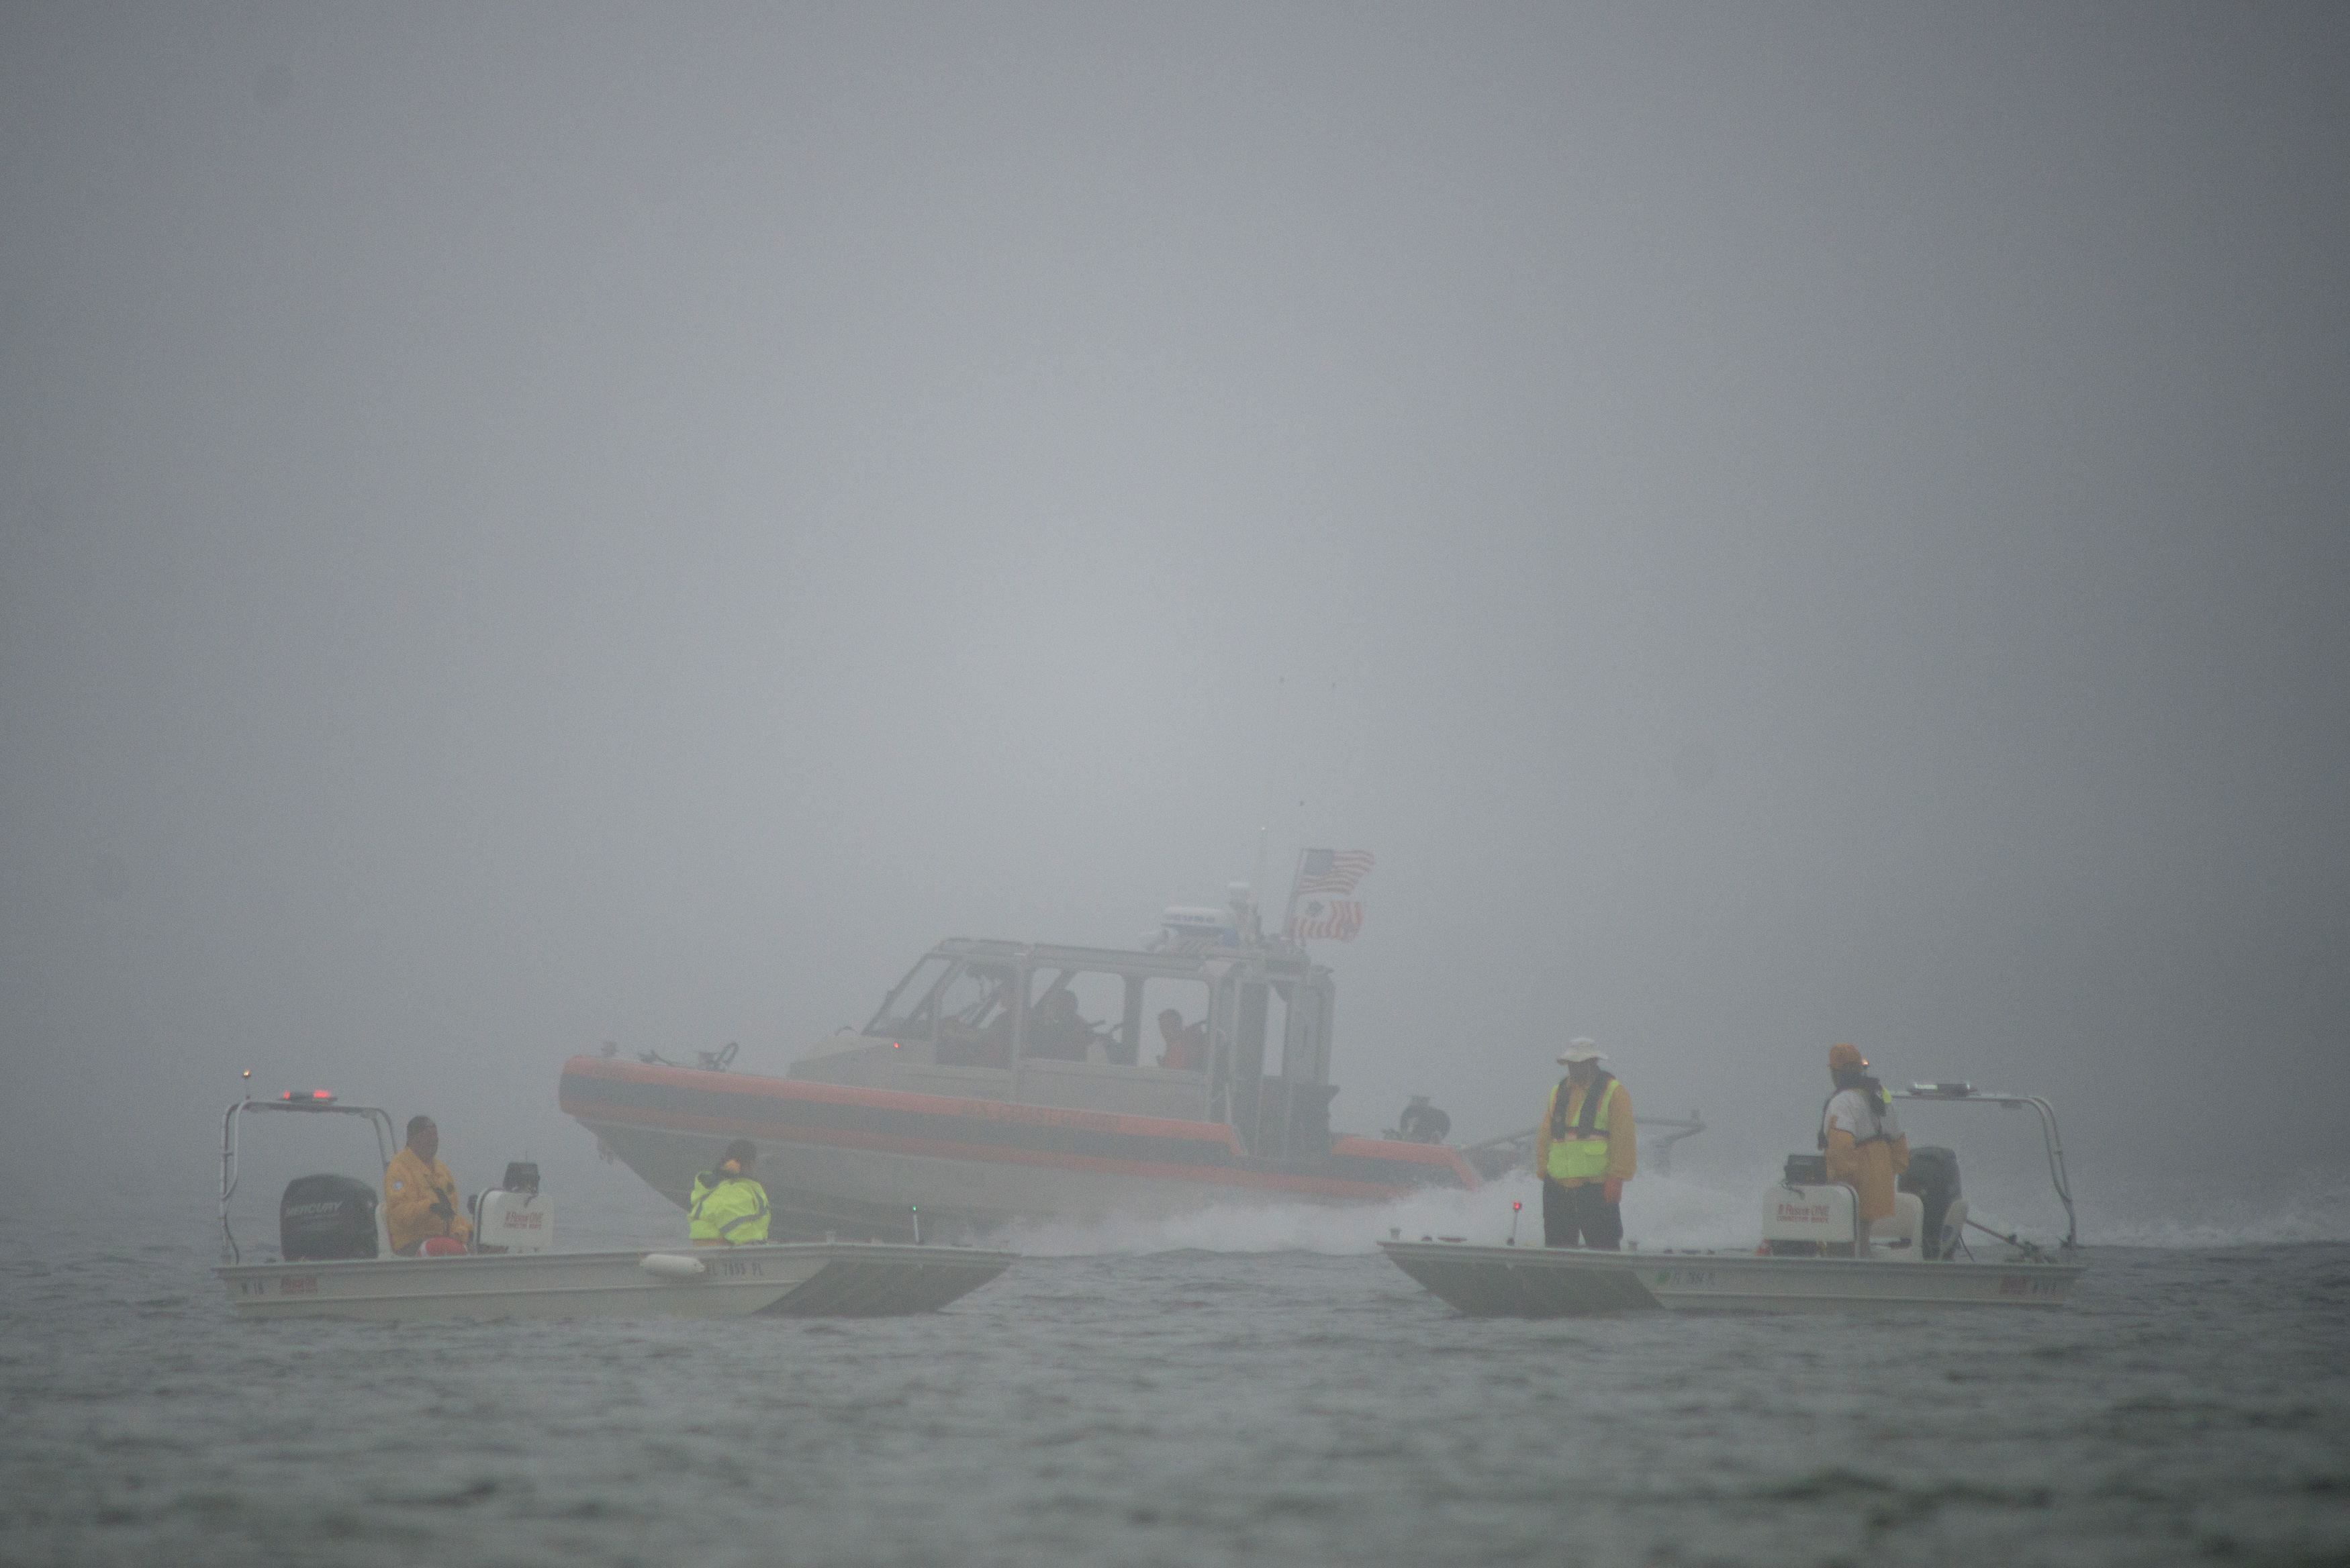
[
  {"x": 419, "y": 1196},
  {"x": 1422, "y": 1122},
  {"x": 1865, "y": 1145},
  {"x": 1187, "y": 1044},
  {"x": 1055, "y": 1031},
  {"x": 1586, "y": 1151},
  {"x": 728, "y": 1206}
]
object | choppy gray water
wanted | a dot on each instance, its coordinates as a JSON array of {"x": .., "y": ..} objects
[{"x": 1178, "y": 1407}]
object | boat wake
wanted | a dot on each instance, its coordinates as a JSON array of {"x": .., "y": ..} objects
[
  {"x": 1659, "y": 1211},
  {"x": 1677, "y": 1211},
  {"x": 2314, "y": 1208}
]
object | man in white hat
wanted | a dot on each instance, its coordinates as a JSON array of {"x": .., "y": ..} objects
[{"x": 1585, "y": 1152}]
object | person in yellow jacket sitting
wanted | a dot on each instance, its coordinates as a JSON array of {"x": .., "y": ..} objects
[
  {"x": 1585, "y": 1152},
  {"x": 1865, "y": 1146},
  {"x": 729, "y": 1207},
  {"x": 419, "y": 1196}
]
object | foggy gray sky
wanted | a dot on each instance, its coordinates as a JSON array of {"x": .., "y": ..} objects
[{"x": 527, "y": 526}]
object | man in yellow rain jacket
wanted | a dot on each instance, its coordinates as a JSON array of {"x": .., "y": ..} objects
[
  {"x": 729, "y": 1208},
  {"x": 419, "y": 1196},
  {"x": 1865, "y": 1146},
  {"x": 1585, "y": 1152}
]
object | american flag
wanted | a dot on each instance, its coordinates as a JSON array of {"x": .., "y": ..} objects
[
  {"x": 1319, "y": 905},
  {"x": 1333, "y": 871}
]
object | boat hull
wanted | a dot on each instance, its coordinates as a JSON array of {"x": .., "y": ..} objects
[
  {"x": 858, "y": 1161},
  {"x": 843, "y": 1279},
  {"x": 1536, "y": 1281}
]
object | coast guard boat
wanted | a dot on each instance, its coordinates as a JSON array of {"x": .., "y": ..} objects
[
  {"x": 1815, "y": 1254},
  {"x": 1001, "y": 1080},
  {"x": 331, "y": 1262}
]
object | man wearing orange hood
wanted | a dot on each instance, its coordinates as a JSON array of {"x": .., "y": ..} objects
[{"x": 1865, "y": 1146}]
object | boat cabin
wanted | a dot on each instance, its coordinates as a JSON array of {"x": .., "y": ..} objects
[{"x": 1208, "y": 1029}]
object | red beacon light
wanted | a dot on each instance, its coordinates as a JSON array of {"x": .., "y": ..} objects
[{"x": 309, "y": 1096}]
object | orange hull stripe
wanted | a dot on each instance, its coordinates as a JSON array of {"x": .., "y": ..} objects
[{"x": 1386, "y": 1150}]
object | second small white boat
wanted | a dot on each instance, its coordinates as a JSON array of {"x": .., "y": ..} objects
[
  {"x": 1815, "y": 1254},
  {"x": 1538, "y": 1282}
]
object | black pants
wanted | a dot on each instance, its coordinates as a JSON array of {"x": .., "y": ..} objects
[{"x": 1567, "y": 1210}]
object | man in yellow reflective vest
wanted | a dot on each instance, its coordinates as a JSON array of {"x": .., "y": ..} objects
[
  {"x": 729, "y": 1208},
  {"x": 1585, "y": 1152}
]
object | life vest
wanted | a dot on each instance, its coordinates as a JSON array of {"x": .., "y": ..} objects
[
  {"x": 1579, "y": 1153},
  {"x": 1880, "y": 1100},
  {"x": 728, "y": 1209}
]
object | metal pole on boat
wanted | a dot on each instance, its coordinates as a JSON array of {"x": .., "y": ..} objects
[
  {"x": 916, "y": 1210},
  {"x": 1516, "y": 1204},
  {"x": 228, "y": 1180},
  {"x": 2028, "y": 1249}
]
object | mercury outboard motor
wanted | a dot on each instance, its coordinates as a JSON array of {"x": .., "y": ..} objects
[
  {"x": 323, "y": 1218},
  {"x": 1933, "y": 1175}
]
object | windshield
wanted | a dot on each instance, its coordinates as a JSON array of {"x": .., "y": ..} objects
[{"x": 909, "y": 1013}]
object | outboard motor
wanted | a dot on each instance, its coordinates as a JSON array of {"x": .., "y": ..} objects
[
  {"x": 325, "y": 1217},
  {"x": 1933, "y": 1175}
]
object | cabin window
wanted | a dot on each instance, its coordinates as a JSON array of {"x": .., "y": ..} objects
[
  {"x": 1181, "y": 1042},
  {"x": 1077, "y": 1015},
  {"x": 909, "y": 1013},
  {"x": 1306, "y": 1056},
  {"x": 1276, "y": 1030},
  {"x": 975, "y": 1015}
]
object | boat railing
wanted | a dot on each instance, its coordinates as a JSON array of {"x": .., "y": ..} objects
[
  {"x": 311, "y": 1101},
  {"x": 1948, "y": 1093}
]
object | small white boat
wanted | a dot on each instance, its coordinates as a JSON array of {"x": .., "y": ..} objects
[
  {"x": 809, "y": 1279},
  {"x": 332, "y": 1262},
  {"x": 1539, "y": 1282},
  {"x": 1815, "y": 1255}
]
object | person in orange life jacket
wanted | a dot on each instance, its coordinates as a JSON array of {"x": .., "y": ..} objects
[
  {"x": 1585, "y": 1152},
  {"x": 1055, "y": 1031},
  {"x": 1865, "y": 1145},
  {"x": 1187, "y": 1047},
  {"x": 419, "y": 1196}
]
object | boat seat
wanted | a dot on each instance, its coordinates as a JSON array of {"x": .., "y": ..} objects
[
  {"x": 514, "y": 1223},
  {"x": 1895, "y": 1237},
  {"x": 1810, "y": 1220}
]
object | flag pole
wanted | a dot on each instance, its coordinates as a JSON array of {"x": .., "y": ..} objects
[
  {"x": 1256, "y": 888},
  {"x": 1289, "y": 916}
]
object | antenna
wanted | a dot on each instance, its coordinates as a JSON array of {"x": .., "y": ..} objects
[
  {"x": 1280, "y": 757},
  {"x": 1256, "y": 882}
]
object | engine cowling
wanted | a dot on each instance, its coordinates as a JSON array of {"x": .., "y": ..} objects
[{"x": 323, "y": 1218}]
